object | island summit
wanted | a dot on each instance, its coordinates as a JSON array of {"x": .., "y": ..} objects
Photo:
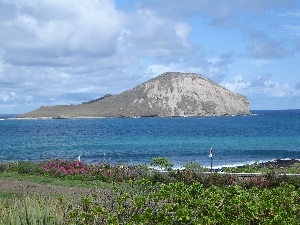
[{"x": 171, "y": 94}]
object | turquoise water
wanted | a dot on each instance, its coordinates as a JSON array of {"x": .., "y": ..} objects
[{"x": 267, "y": 135}]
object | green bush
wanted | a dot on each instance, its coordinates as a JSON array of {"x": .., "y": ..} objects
[
  {"x": 80, "y": 171},
  {"x": 161, "y": 163},
  {"x": 195, "y": 167},
  {"x": 157, "y": 197},
  {"x": 24, "y": 167},
  {"x": 4, "y": 167},
  {"x": 179, "y": 203}
]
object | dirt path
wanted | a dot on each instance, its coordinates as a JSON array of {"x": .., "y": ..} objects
[{"x": 25, "y": 187}]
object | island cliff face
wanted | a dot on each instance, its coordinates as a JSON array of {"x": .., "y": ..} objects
[{"x": 168, "y": 95}]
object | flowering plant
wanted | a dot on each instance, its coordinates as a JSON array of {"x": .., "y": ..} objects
[{"x": 99, "y": 171}]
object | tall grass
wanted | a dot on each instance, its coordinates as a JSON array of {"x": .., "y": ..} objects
[
  {"x": 33, "y": 210},
  {"x": 139, "y": 195}
]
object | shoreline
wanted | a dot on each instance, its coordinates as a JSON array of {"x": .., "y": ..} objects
[
  {"x": 253, "y": 112},
  {"x": 274, "y": 163}
]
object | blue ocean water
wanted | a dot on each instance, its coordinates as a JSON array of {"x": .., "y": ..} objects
[{"x": 236, "y": 140}]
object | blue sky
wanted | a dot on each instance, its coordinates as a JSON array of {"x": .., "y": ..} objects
[{"x": 70, "y": 51}]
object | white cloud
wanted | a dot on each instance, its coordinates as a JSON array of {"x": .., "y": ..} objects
[
  {"x": 290, "y": 13},
  {"x": 294, "y": 29},
  {"x": 238, "y": 85},
  {"x": 50, "y": 29},
  {"x": 265, "y": 47},
  {"x": 157, "y": 37},
  {"x": 223, "y": 14},
  {"x": 183, "y": 30},
  {"x": 4, "y": 96},
  {"x": 69, "y": 51},
  {"x": 259, "y": 62},
  {"x": 261, "y": 85},
  {"x": 10, "y": 97},
  {"x": 153, "y": 70}
]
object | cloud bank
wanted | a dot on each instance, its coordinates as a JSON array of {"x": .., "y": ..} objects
[{"x": 66, "y": 52}]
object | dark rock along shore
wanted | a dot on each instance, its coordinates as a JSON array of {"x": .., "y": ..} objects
[{"x": 276, "y": 164}]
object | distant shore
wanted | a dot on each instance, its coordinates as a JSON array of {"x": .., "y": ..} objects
[{"x": 276, "y": 164}]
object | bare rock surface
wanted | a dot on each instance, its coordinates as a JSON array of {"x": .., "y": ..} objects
[{"x": 168, "y": 95}]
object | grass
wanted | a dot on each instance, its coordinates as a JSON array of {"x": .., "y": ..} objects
[
  {"x": 31, "y": 210},
  {"x": 152, "y": 198},
  {"x": 9, "y": 195},
  {"x": 55, "y": 181},
  {"x": 35, "y": 172}
]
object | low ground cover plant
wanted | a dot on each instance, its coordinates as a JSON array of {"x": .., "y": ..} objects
[
  {"x": 293, "y": 168},
  {"x": 180, "y": 203},
  {"x": 185, "y": 196},
  {"x": 78, "y": 170},
  {"x": 173, "y": 203}
]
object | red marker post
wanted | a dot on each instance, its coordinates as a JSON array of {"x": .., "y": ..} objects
[{"x": 211, "y": 155}]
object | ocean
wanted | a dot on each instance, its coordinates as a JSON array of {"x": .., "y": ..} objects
[{"x": 235, "y": 140}]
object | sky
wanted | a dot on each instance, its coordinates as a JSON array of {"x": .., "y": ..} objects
[{"x": 61, "y": 52}]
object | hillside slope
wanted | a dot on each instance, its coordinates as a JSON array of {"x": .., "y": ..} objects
[{"x": 170, "y": 94}]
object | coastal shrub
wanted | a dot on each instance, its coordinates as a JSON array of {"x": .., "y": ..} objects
[
  {"x": 142, "y": 202},
  {"x": 24, "y": 167},
  {"x": 254, "y": 181},
  {"x": 81, "y": 171},
  {"x": 158, "y": 197},
  {"x": 215, "y": 179},
  {"x": 293, "y": 180},
  {"x": 207, "y": 179},
  {"x": 272, "y": 178},
  {"x": 4, "y": 167},
  {"x": 160, "y": 177},
  {"x": 268, "y": 180},
  {"x": 101, "y": 171},
  {"x": 294, "y": 169},
  {"x": 115, "y": 207},
  {"x": 276, "y": 179},
  {"x": 179, "y": 203},
  {"x": 280, "y": 166},
  {"x": 195, "y": 167},
  {"x": 185, "y": 176},
  {"x": 249, "y": 168},
  {"x": 60, "y": 167},
  {"x": 161, "y": 163}
]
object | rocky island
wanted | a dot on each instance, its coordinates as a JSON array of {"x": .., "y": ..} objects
[{"x": 171, "y": 94}]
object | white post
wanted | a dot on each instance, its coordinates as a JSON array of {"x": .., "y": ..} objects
[{"x": 211, "y": 156}]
